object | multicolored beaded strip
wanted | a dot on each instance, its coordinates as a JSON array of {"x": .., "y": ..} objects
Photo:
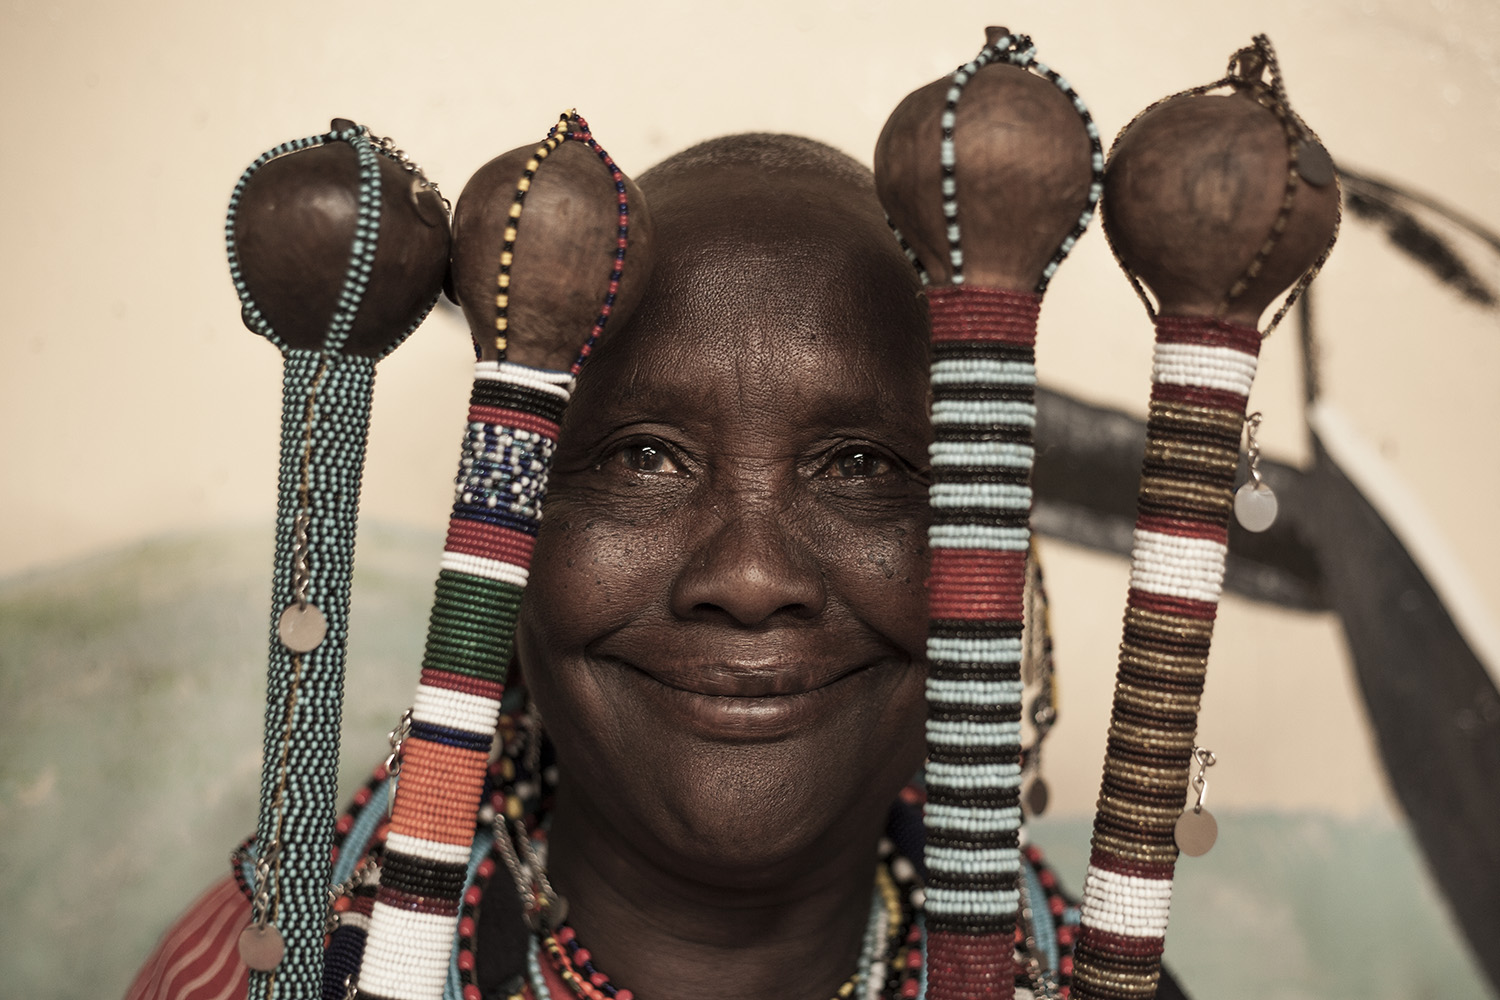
[
  {"x": 513, "y": 788},
  {"x": 983, "y": 416},
  {"x": 1201, "y": 380},
  {"x": 570, "y": 126},
  {"x": 1017, "y": 50},
  {"x": 325, "y": 423},
  {"x": 508, "y": 444},
  {"x": 885, "y": 930}
]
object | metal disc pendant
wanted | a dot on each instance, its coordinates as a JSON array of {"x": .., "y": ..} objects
[
  {"x": 1196, "y": 832},
  {"x": 1314, "y": 165},
  {"x": 262, "y": 947},
  {"x": 1036, "y": 796},
  {"x": 302, "y": 628},
  {"x": 1255, "y": 507}
]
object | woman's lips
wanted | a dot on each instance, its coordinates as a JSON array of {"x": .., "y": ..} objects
[{"x": 745, "y": 703}]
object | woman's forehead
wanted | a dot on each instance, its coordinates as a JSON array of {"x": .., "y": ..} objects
[
  {"x": 756, "y": 269},
  {"x": 784, "y": 281},
  {"x": 753, "y": 238}
]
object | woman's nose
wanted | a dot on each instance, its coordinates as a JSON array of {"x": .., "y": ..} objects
[{"x": 748, "y": 568}]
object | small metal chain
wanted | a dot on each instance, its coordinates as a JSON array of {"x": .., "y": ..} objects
[
  {"x": 1252, "y": 447},
  {"x": 385, "y": 144},
  {"x": 541, "y": 905},
  {"x": 260, "y": 906},
  {"x": 397, "y": 740},
  {"x": 1043, "y": 985},
  {"x": 360, "y": 876},
  {"x": 1206, "y": 759},
  {"x": 301, "y": 566}
]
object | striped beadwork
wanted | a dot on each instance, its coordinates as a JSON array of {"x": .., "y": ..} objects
[
  {"x": 507, "y": 448},
  {"x": 983, "y": 416},
  {"x": 1200, "y": 382}
]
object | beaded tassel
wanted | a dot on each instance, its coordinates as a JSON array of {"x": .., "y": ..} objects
[
  {"x": 514, "y": 413},
  {"x": 984, "y": 417},
  {"x": 1200, "y": 383}
]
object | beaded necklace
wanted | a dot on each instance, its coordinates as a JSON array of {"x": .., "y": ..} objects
[
  {"x": 884, "y": 931},
  {"x": 1045, "y": 939},
  {"x": 890, "y": 956}
]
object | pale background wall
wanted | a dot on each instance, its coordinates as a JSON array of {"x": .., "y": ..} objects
[{"x": 133, "y": 404}]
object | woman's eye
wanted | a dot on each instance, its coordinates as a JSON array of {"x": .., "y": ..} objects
[
  {"x": 858, "y": 463},
  {"x": 642, "y": 456}
]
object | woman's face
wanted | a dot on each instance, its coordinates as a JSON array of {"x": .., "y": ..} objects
[{"x": 725, "y": 624}]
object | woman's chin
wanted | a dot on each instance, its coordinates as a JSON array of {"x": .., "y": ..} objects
[{"x": 757, "y": 814}]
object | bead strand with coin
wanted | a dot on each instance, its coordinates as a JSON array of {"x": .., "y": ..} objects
[
  {"x": 1204, "y": 205},
  {"x": 302, "y": 231}
]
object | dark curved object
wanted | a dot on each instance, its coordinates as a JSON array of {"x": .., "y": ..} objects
[{"x": 1435, "y": 710}]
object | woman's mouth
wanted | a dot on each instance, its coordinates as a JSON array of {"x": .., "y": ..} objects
[{"x": 744, "y": 702}]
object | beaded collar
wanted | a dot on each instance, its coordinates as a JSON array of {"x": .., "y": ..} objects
[
  {"x": 1045, "y": 939},
  {"x": 890, "y": 956}
]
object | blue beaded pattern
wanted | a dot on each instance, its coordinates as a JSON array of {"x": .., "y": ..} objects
[
  {"x": 502, "y": 476},
  {"x": 325, "y": 425},
  {"x": 304, "y": 691}
]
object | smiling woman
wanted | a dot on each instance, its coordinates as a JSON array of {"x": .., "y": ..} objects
[
  {"x": 725, "y": 626},
  {"x": 720, "y": 654}
]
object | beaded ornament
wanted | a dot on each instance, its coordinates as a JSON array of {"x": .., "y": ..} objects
[
  {"x": 1202, "y": 372},
  {"x": 1302, "y": 144},
  {"x": 508, "y": 442},
  {"x": 890, "y": 966},
  {"x": 984, "y": 415},
  {"x": 325, "y": 423}
]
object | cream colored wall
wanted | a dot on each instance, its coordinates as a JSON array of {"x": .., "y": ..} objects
[{"x": 133, "y": 403}]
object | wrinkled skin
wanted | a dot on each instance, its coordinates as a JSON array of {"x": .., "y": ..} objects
[{"x": 725, "y": 624}]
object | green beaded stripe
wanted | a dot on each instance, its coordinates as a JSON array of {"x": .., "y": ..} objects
[{"x": 473, "y": 625}]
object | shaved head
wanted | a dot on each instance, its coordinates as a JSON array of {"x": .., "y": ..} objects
[
  {"x": 738, "y": 493},
  {"x": 780, "y": 216},
  {"x": 768, "y": 152}
]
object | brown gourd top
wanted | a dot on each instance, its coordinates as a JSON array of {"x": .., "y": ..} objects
[
  {"x": 1023, "y": 173},
  {"x": 1219, "y": 202},
  {"x": 294, "y": 230},
  {"x": 563, "y": 252}
]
